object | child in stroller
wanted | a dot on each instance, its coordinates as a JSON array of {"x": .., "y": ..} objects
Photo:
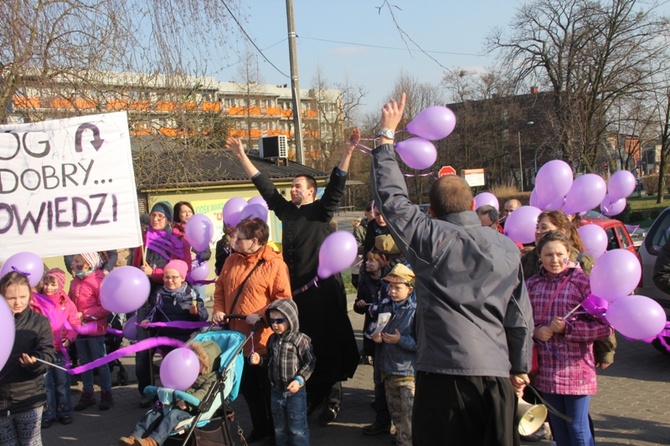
[
  {"x": 155, "y": 427},
  {"x": 113, "y": 343}
]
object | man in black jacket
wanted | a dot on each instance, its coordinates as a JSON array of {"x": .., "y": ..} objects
[{"x": 322, "y": 308}]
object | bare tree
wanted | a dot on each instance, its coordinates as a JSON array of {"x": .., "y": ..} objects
[{"x": 590, "y": 54}]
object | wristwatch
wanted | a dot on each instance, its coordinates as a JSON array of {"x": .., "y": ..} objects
[{"x": 385, "y": 133}]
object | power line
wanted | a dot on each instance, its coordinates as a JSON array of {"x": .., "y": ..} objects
[
  {"x": 389, "y": 47},
  {"x": 251, "y": 40}
]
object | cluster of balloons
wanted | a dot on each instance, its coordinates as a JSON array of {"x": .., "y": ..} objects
[
  {"x": 431, "y": 124},
  {"x": 555, "y": 189},
  {"x": 237, "y": 209},
  {"x": 614, "y": 276}
]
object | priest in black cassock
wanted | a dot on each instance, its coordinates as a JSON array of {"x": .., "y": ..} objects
[{"x": 323, "y": 308}]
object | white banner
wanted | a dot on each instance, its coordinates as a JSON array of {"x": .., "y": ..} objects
[{"x": 67, "y": 186}]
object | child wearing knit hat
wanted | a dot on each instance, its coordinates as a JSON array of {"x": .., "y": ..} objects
[
  {"x": 62, "y": 314},
  {"x": 176, "y": 301}
]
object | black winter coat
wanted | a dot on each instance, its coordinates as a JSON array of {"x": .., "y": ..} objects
[{"x": 22, "y": 388}]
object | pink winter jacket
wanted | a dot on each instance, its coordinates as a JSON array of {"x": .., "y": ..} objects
[
  {"x": 62, "y": 314},
  {"x": 85, "y": 293}
]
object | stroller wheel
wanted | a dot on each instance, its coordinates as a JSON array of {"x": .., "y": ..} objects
[{"x": 122, "y": 377}]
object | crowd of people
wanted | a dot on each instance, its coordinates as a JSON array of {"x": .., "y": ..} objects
[{"x": 458, "y": 319}]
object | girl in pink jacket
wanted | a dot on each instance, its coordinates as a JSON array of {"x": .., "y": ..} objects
[
  {"x": 55, "y": 304},
  {"x": 85, "y": 293}
]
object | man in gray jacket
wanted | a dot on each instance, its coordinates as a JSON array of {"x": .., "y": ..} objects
[{"x": 473, "y": 320}]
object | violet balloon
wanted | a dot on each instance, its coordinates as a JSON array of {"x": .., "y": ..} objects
[
  {"x": 636, "y": 317},
  {"x": 611, "y": 208},
  {"x": 433, "y": 123},
  {"x": 534, "y": 201},
  {"x": 232, "y": 211},
  {"x": 124, "y": 290},
  {"x": 199, "y": 232},
  {"x": 587, "y": 192},
  {"x": 553, "y": 181},
  {"x": 27, "y": 263},
  {"x": 417, "y": 153},
  {"x": 594, "y": 238},
  {"x": 7, "y": 331},
  {"x": 179, "y": 369},
  {"x": 255, "y": 210},
  {"x": 200, "y": 272},
  {"x": 615, "y": 274},
  {"x": 130, "y": 328},
  {"x": 337, "y": 253},
  {"x": 258, "y": 200},
  {"x": 621, "y": 184},
  {"x": 486, "y": 198},
  {"x": 520, "y": 225}
]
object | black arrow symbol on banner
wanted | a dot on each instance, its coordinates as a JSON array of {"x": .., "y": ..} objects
[{"x": 96, "y": 142}]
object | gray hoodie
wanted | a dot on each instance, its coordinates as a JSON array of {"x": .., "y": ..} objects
[{"x": 290, "y": 354}]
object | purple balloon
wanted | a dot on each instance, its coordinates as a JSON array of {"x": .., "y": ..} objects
[
  {"x": 610, "y": 208},
  {"x": 587, "y": 192},
  {"x": 130, "y": 329},
  {"x": 620, "y": 185},
  {"x": 553, "y": 181},
  {"x": 179, "y": 369},
  {"x": 124, "y": 290},
  {"x": 257, "y": 200},
  {"x": 615, "y": 274},
  {"x": 337, "y": 253},
  {"x": 232, "y": 211},
  {"x": 594, "y": 238},
  {"x": 594, "y": 305},
  {"x": 199, "y": 232},
  {"x": 486, "y": 198},
  {"x": 27, "y": 263},
  {"x": 520, "y": 224},
  {"x": 200, "y": 272},
  {"x": 7, "y": 331},
  {"x": 433, "y": 123},
  {"x": 636, "y": 317},
  {"x": 417, "y": 153},
  {"x": 255, "y": 211},
  {"x": 534, "y": 201}
]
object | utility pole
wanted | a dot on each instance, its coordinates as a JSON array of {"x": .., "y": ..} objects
[{"x": 295, "y": 86}]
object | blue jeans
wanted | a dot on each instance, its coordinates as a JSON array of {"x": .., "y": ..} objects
[
  {"x": 57, "y": 383},
  {"x": 289, "y": 413},
  {"x": 576, "y": 433},
  {"x": 200, "y": 289},
  {"x": 158, "y": 426},
  {"x": 90, "y": 348}
]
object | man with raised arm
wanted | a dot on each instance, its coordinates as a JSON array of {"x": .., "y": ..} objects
[
  {"x": 322, "y": 308},
  {"x": 473, "y": 318}
]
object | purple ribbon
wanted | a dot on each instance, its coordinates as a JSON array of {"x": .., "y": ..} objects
[
  {"x": 312, "y": 283},
  {"x": 145, "y": 344},
  {"x": 167, "y": 245}
]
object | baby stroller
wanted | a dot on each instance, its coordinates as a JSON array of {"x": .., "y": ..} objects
[
  {"x": 113, "y": 343},
  {"x": 211, "y": 424}
]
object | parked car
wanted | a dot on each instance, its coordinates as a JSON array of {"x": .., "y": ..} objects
[
  {"x": 656, "y": 237},
  {"x": 618, "y": 236}
]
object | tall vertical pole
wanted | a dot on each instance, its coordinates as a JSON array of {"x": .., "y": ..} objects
[
  {"x": 295, "y": 86},
  {"x": 520, "y": 161}
]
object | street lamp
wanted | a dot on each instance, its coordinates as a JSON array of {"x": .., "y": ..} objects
[{"x": 518, "y": 134}]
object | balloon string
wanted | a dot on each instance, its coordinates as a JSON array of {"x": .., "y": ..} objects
[
  {"x": 572, "y": 311},
  {"x": 312, "y": 283}
]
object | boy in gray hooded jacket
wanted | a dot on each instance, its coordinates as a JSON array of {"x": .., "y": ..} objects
[{"x": 291, "y": 363}]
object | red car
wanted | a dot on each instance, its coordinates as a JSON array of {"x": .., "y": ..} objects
[{"x": 617, "y": 234}]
